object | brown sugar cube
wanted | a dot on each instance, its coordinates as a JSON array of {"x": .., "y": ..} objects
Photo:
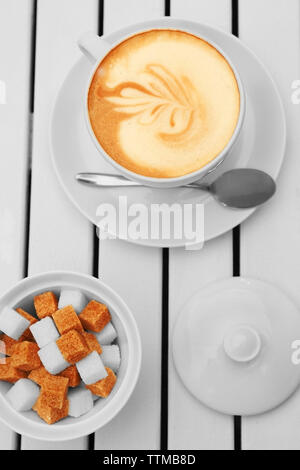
[
  {"x": 103, "y": 387},
  {"x": 39, "y": 375},
  {"x": 95, "y": 316},
  {"x": 49, "y": 414},
  {"x": 67, "y": 319},
  {"x": 25, "y": 356},
  {"x": 92, "y": 342},
  {"x": 26, "y": 315},
  {"x": 8, "y": 373},
  {"x": 73, "y": 346},
  {"x": 7, "y": 344},
  {"x": 27, "y": 335},
  {"x": 45, "y": 304},
  {"x": 72, "y": 374},
  {"x": 54, "y": 391}
]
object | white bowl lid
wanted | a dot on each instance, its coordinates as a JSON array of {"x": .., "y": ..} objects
[{"x": 233, "y": 346}]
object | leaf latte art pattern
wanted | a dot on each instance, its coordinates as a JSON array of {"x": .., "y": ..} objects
[{"x": 159, "y": 99}]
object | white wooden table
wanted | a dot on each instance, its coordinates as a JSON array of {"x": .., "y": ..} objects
[{"x": 40, "y": 230}]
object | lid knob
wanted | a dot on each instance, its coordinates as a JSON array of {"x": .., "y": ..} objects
[{"x": 242, "y": 343}]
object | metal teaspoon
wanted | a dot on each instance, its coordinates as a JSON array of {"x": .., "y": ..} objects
[{"x": 241, "y": 188}]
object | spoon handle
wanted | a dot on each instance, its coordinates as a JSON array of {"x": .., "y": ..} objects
[
  {"x": 99, "y": 179},
  {"x": 104, "y": 180}
]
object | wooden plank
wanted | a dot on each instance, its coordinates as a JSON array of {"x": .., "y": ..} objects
[
  {"x": 270, "y": 240},
  {"x": 60, "y": 237},
  {"x": 216, "y": 13},
  {"x": 118, "y": 13},
  {"x": 135, "y": 272},
  {"x": 15, "y": 53},
  {"x": 192, "y": 425}
]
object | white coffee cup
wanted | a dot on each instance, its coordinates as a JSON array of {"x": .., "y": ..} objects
[{"x": 95, "y": 48}]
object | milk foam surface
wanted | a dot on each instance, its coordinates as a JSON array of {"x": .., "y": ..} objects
[{"x": 164, "y": 103}]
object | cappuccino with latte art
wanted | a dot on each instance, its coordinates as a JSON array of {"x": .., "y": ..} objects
[{"x": 164, "y": 103}]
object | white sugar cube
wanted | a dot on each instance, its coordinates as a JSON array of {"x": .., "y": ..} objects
[
  {"x": 52, "y": 359},
  {"x": 80, "y": 402},
  {"x": 23, "y": 395},
  {"x": 12, "y": 323},
  {"x": 107, "y": 335},
  {"x": 91, "y": 368},
  {"x": 72, "y": 297},
  {"x": 44, "y": 331},
  {"x": 3, "y": 358},
  {"x": 111, "y": 357}
]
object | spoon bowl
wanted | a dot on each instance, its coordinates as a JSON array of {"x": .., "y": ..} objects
[{"x": 243, "y": 188}]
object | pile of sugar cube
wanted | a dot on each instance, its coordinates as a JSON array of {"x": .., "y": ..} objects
[{"x": 61, "y": 360}]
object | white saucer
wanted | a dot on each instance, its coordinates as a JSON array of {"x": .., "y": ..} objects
[
  {"x": 232, "y": 346},
  {"x": 261, "y": 144}
]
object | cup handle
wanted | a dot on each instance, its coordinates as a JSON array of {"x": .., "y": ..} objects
[{"x": 92, "y": 46}]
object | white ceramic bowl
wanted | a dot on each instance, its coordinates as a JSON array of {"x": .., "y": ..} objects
[{"x": 104, "y": 410}]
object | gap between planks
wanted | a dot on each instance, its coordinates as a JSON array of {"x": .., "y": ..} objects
[
  {"x": 236, "y": 235},
  {"x": 18, "y": 437}
]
